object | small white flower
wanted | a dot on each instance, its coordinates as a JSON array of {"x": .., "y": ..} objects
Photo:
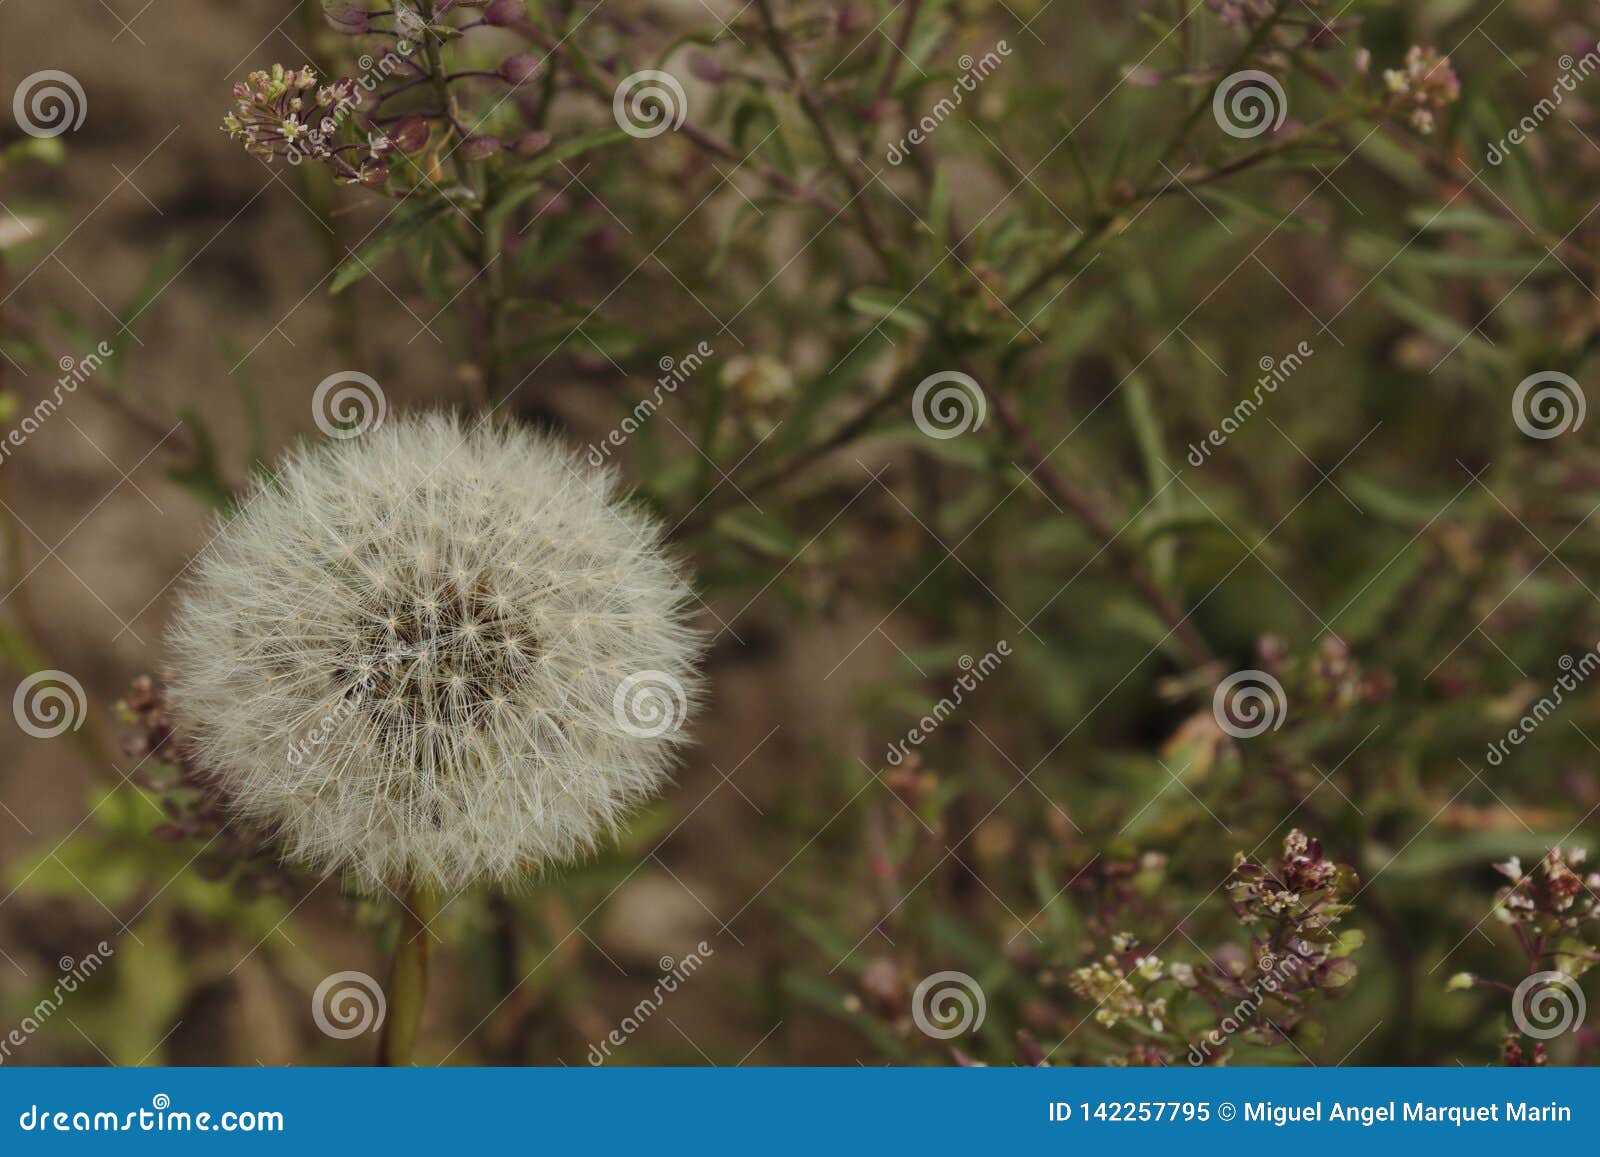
[{"x": 402, "y": 654}]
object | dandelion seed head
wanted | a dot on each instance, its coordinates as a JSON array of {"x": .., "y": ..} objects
[{"x": 404, "y": 654}]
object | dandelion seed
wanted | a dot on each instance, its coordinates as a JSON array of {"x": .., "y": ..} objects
[{"x": 435, "y": 623}]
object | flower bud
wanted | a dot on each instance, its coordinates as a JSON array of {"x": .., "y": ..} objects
[
  {"x": 480, "y": 146},
  {"x": 704, "y": 66},
  {"x": 409, "y": 134},
  {"x": 350, "y": 19},
  {"x": 877, "y": 111},
  {"x": 521, "y": 69},
  {"x": 529, "y": 144},
  {"x": 504, "y": 13}
]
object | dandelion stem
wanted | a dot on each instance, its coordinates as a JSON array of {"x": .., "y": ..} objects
[{"x": 408, "y": 976}]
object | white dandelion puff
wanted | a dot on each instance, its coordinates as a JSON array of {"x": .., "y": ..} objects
[{"x": 403, "y": 653}]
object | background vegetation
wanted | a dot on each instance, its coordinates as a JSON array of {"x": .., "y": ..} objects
[{"x": 1391, "y": 533}]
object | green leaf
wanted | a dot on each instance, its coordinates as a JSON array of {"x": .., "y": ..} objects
[
  {"x": 1173, "y": 519},
  {"x": 162, "y": 273},
  {"x": 817, "y": 394},
  {"x": 530, "y": 176},
  {"x": 1373, "y": 597},
  {"x": 608, "y": 339},
  {"x": 201, "y": 476},
  {"x": 892, "y": 306},
  {"x": 17, "y": 652},
  {"x": 1432, "y": 854},
  {"x": 250, "y": 403},
  {"x": 1269, "y": 215},
  {"x": 761, "y": 532},
  {"x": 1151, "y": 439},
  {"x": 757, "y": 127},
  {"x": 1391, "y": 505},
  {"x": 408, "y": 223}
]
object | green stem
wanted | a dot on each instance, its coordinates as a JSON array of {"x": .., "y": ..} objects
[
  {"x": 484, "y": 249},
  {"x": 812, "y": 108},
  {"x": 1258, "y": 40},
  {"x": 408, "y": 976},
  {"x": 604, "y": 85},
  {"x": 444, "y": 95},
  {"x": 1131, "y": 563}
]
